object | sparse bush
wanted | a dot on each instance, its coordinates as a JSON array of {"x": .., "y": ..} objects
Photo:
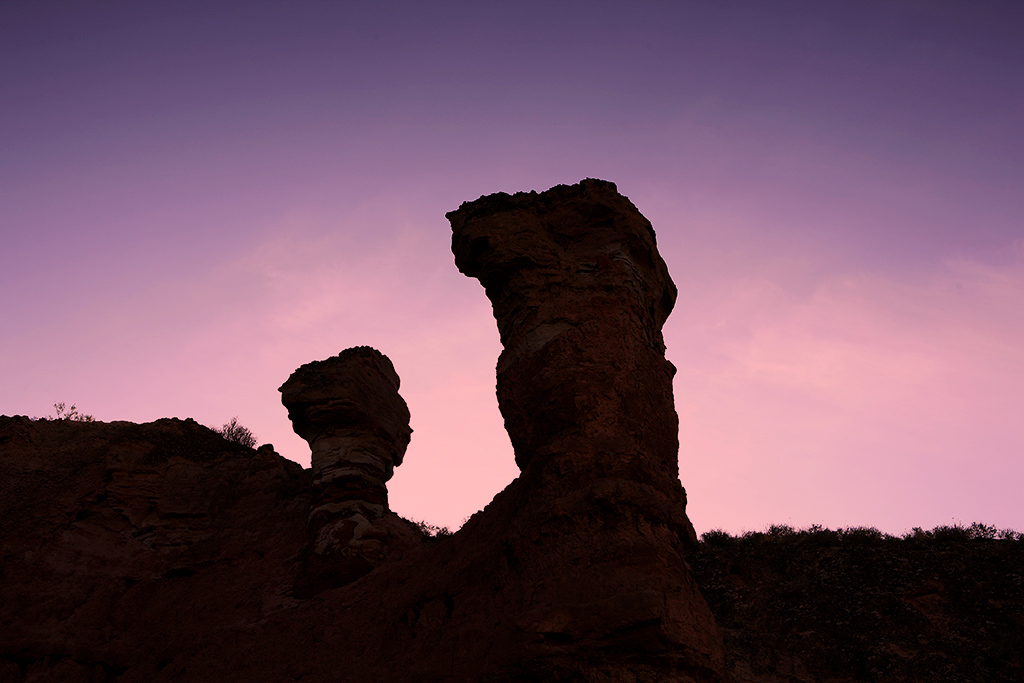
[
  {"x": 432, "y": 534},
  {"x": 956, "y": 532},
  {"x": 862, "y": 534},
  {"x": 716, "y": 537},
  {"x": 979, "y": 530},
  {"x": 236, "y": 433},
  {"x": 69, "y": 413}
]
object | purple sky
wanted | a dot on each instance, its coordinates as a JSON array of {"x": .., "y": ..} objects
[{"x": 196, "y": 198}]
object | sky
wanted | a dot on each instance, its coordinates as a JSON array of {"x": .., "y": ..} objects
[{"x": 198, "y": 197}]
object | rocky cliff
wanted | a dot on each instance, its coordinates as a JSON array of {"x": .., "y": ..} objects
[
  {"x": 162, "y": 552},
  {"x": 139, "y": 552}
]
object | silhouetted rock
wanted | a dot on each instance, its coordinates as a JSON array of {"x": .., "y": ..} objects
[
  {"x": 128, "y": 548},
  {"x": 349, "y": 411},
  {"x": 162, "y": 552},
  {"x": 580, "y": 295}
]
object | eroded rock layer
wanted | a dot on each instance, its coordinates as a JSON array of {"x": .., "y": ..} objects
[{"x": 357, "y": 425}]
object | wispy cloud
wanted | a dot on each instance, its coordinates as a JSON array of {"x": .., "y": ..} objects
[{"x": 803, "y": 405}]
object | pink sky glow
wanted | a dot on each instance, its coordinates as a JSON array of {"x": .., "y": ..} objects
[{"x": 197, "y": 198}]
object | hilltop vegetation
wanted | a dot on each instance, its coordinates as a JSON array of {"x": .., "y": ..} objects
[{"x": 856, "y": 604}]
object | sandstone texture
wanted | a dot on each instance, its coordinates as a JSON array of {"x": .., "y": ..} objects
[
  {"x": 349, "y": 411},
  {"x": 160, "y": 552}
]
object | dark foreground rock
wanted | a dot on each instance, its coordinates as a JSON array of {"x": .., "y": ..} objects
[
  {"x": 129, "y": 550},
  {"x": 161, "y": 552}
]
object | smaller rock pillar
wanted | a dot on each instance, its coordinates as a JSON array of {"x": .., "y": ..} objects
[{"x": 349, "y": 411}]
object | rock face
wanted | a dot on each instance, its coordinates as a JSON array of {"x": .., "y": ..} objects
[
  {"x": 349, "y": 411},
  {"x": 580, "y": 295},
  {"x": 126, "y": 550},
  {"x": 161, "y": 552}
]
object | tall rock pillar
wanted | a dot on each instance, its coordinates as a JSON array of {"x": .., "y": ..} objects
[
  {"x": 597, "y": 519},
  {"x": 580, "y": 295}
]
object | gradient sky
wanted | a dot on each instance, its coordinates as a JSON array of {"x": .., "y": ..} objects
[{"x": 198, "y": 197}]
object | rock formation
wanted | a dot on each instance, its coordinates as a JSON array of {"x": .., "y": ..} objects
[
  {"x": 349, "y": 411},
  {"x": 580, "y": 295},
  {"x": 161, "y": 552},
  {"x": 129, "y": 550}
]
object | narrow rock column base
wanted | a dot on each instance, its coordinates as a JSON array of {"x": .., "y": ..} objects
[{"x": 349, "y": 411}]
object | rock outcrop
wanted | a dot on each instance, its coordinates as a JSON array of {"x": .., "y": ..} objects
[
  {"x": 580, "y": 295},
  {"x": 161, "y": 552},
  {"x": 349, "y": 411},
  {"x": 127, "y": 550}
]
